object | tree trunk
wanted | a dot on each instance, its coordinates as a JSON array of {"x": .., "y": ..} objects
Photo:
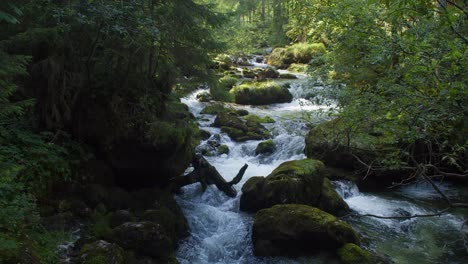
[{"x": 206, "y": 174}]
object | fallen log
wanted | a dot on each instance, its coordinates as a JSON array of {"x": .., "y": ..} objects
[{"x": 206, "y": 174}]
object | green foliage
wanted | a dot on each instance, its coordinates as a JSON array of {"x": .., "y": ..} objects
[
  {"x": 404, "y": 65},
  {"x": 220, "y": 90}
]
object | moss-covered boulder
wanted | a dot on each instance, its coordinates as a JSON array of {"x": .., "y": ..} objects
[
  {"x": 294, "y": 230},
  {"x": 346, "y": 150},
  {"x": 223, "y": 62},
  {"x": 280, "y": 58},
  {"x": 146, "y": 238},
  {"x": 249, "y": 74},
  {"x": 214, "y": 109},
  {"x": 260, "y": 93},
  {"x": 330, "y": 201},
  {"x": 175, "y": 226},
  {"x": 298, "y": 182},
  {"x": 268, "y": 73},
  {"x": 101, "y": 252},
  {"x": 352, "y": 254},
  {"x": 265, "y": 147},
  {"x": 239, "y": 130}
]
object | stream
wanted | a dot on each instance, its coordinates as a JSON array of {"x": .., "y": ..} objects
[{"x": 221, "y": 233}]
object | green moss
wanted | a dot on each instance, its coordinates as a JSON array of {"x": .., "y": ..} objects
[
  {"x": 299, "y": 167},
  {"x": 296, "y": 67},
  {"x": 231, "y": 124},
  {"x": 353, "y": 254},
  {"x": 330, "y": 201},
  {"x": 293, "y": 228},
  {"x": 256, "y": 118},
  {"x": 305, "y": 52},
  {"x": 101, "y": 227},
  {"x": 280, "y": 58},
  {"x": 223, "y": 149},
  {"x": 227, "y": 82},
  {"x": 223, "y": 61},
  {"x": 260, "y": 93},
  {"x": 287, "y": 76},
  {"x": 265, "y": 147},
  {"x": 214, "y": 109},
  {"x": 249, "y": 74}
]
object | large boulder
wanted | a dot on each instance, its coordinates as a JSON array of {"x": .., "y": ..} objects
[
  {"x": 239, "y": 130},
  {"x": 293, "y": 182},
  {"x": 294, "y": 230},
  {"x": 261, "y": 93},
  {"x": 344, "y": 150},
  {"x": 101, "y": 252},
  {"x": 147, "y": 238}
]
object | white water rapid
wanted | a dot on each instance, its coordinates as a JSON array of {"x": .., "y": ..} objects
[{"x": 220, "y": 233}]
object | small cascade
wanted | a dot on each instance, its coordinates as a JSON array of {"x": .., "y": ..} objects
[{"x": 220, "y": 233}]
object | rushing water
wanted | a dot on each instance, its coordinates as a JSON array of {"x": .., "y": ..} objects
[{"x": 220, "y": 233}]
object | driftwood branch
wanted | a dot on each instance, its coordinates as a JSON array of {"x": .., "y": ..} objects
[{"x": 206, "y": 174}]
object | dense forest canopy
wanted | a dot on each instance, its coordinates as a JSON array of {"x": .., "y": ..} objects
[{"x": 87, "y": 80}]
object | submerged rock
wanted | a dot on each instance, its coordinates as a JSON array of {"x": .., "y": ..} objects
[
  {"x": 294, "y": 230},
  {"x": 265, "y": 147},
  {"x": 293, "y": 182}
]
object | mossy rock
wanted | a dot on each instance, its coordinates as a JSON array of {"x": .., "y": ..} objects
[
  {"x": 214, "y": 109},
  {"x": 101, "y": 252},
  {"x": 268, "y": 73},
  {"x": 239, "y": 130},
  {"x": 203, "y": 134},
  {"x": 287, "y": 76},
  {"x": 330, "y": 201},
  {"x": 265, "y": 147},
  {"x": 120, "y": 217},
  {"x": 242, "y": 112},
  {"x": 146, "y": 238},
  {"x": 295, "y": 230},
  {"x": 280, "y": 58},
  {"x": 353, "y": 254},
  {"x": 223, "y": 149},
  {"x": 176, "y": 227},
  {"x": 204, "y": 97},
  {"x": 297, "y": 67},
  {"x": 260, "y": 93},
  {"x": 333, "y": 143},
  {"x": 258, "y": 119},
  {"x": 298, "y": 181},
  {"x": 249, "y": 74}
]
